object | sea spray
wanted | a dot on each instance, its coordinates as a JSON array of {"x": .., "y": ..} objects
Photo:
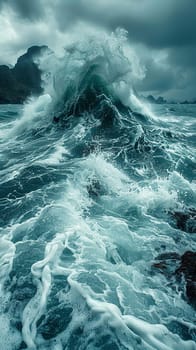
[{"x": 91, "y": 182}]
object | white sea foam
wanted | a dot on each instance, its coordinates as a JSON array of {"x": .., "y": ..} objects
[
  {"x": 100, "y": 226},
  {"x": 35, "y": 113},
  {"x": 10, "y": 338},
  {"x": 7, "y": 250}
]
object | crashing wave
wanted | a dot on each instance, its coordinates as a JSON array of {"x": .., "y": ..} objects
[{"x": 88, "y": 183}]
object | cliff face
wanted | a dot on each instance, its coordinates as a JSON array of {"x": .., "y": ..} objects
[{"x": 24, "y": 80}]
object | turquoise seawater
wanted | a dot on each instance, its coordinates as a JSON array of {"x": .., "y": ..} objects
[{"x": 97, "y": 206}]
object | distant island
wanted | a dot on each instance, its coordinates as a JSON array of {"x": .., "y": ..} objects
[
  {"x": 162, "y": 100},
  {"x": 24, "y": 80}
]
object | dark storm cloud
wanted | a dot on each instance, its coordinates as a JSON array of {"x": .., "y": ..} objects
[
  {"x": 165, "y": 28},
  {"x": 157, "y": 80},
  {"x": 183, "y": 56},
  {"x": 171, "y": 24},
  {"x": 26, "y": 9},
  {"x": 155, "y": 23}
]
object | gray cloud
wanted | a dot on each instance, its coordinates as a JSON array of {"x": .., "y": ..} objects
[
  {"x": 157, "y": 79},
  {"x": 162, "y": 32},
  {"x": 31, "y": 10},
  {"x": 156, "y": 23},
  {"x": 164, "y": 24}
]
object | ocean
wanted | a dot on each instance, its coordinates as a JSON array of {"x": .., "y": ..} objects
[{"x": 97, "y": 199}]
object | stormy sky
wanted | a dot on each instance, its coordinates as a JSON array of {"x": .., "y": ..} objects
[{"x": 162, "y": 32}]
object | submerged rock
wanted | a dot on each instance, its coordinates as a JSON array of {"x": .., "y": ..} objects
[
  {"x": 94, "y": 188},
  {"x": 185, "y": 220},
  {"x": 188, "y": 269},
  {"x": 167, "y": 262},
  {"x": 172, "y": 264},
  {"x": 55, "y": 321}
]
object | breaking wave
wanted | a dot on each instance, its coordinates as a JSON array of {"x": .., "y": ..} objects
[{"x": 97, "y": 211}]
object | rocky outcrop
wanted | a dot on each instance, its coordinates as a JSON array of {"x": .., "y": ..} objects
[
  {"x": 23, "y": 80},
  {"x": 187, "y": 268},
  {"x": 184, "y": 220},
  {"x": 183, "y": 268}
]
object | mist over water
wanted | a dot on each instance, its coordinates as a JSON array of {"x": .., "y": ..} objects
[{"x": 90, "y": 181}]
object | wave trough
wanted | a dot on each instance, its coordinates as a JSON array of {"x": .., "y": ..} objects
[{"x": 94, "y": 187}]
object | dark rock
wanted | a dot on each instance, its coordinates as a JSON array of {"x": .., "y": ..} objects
[
  {"x": 188, "y": 269},
  {"x": 185, "y": 220},
  {"x": 167, "y": 262},
  {"x": 55, "y": 321},
  {"x": 158, "y": 100},
  {"x": 11, "y": 90},
  {"x": 27, "y": 72},
  {"x": 188, "y": 265},
  {"x": 24, "y": 80},
  {"x": 56, "y": 119},
  {"x": 94, "y": 188},
  {"x": 168, "y": 256},
  {"x": 172, "y": 264},
  {"x": 23, "y": 346},
  {"x": 185, "y": 102},
  {"x": 6, "y": 77}
]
